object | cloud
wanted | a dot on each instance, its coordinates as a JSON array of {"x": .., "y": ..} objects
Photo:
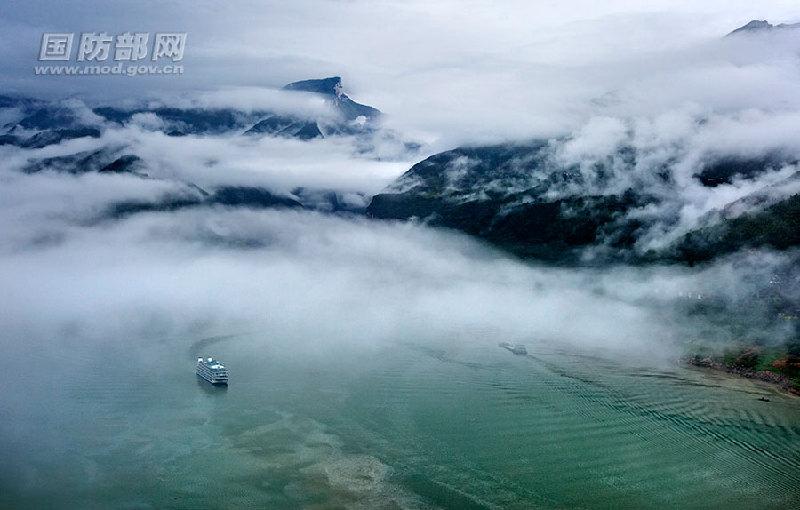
[
  {"x": 487, "y": 72},
  {"x": 598, "y": 138},
  {"x": 299, "y": 275},
  {"x": 345, "y": 283}
]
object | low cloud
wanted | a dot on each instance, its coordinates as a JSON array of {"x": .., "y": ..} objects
[
  {"x": 299, "y": 275},
  {"x": 296, "y": 276}
]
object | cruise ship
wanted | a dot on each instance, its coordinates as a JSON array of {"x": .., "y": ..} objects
[{"x": 213, "y": 371}]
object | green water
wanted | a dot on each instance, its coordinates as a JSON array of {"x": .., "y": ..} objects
[{"x": 462, "y": 425}]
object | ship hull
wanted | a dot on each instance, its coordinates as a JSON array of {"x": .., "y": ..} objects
[{"x": 212, "y": 382}]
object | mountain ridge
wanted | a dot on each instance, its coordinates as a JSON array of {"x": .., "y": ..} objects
[
  {"x": 762, "y": 26},
  {"x": 518, "y": 197}
]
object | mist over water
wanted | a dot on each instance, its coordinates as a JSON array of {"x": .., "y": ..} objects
[
  {"x": 300, "y": 274},
  {"x": 365, "y": 373}
]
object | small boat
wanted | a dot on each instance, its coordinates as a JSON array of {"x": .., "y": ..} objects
[
  {"x": 519, "y": 349},
  {"x": 516, "y": 349},
  {"x": 763, "y": 399},
  {"x": 213, "y": 371}
]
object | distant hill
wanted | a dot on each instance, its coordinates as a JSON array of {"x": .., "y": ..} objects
[
  {"x": 523, "y": 199},
  {"x": 40, "y": 124},
  {"x": 332, "y": 88},
  {"x": 760, "y": 26}
]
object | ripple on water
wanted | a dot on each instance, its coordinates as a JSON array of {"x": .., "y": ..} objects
[
  {"x": 553, "y": 426},
  {"x": 466, "y": 427}
]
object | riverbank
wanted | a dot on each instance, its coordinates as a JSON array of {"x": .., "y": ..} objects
[{"x": 771, "y": 376}]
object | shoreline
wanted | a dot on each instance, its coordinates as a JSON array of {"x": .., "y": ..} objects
[{"x": 775, "y": 380}]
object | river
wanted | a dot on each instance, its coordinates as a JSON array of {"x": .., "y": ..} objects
[{"x": 456, "y": 424}]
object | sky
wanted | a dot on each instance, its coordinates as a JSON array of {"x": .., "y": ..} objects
[{"x": 491, "y": 68}]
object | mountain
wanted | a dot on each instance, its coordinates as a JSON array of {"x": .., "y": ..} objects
[
  {"x": 777, "y": 227},
  {"x": 251, "y": 197},
  {"x": 327, "y": 86},
  {"x": 332, "y": 89},
  {"x": 39, "y": 124},
  {"x": 523, "y": 198},
  {"x": 500, "y": 193},
  {"x": 348, "y": 117},
  {"x": 15, "y": 102},
  {"x": 48, "y": 137},
  {"x": 762, "y": 26},
  {"x": 182, "y": 121},
  {"x": 727, "y": 168},
  {"x": 107, "y": 160},
  {"x": 287, "y": 127}
]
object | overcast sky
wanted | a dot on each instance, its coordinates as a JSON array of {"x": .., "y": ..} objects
[
  {"x": 503, "y": 69},
  {"x": 371, "y": 43}
]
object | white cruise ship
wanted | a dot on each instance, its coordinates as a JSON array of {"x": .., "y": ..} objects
[{"x": 213, "y": 371}]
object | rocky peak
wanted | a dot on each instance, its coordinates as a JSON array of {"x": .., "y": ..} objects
[
  {"x": 332, "y": 89},
  {"x": 762, "y": 25},
  {"x": 329, "y": 86}
]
